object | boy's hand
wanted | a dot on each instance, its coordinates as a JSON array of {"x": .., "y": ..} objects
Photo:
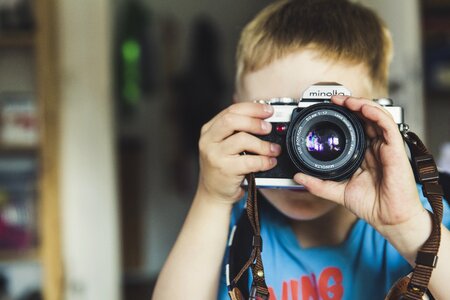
[
  {"x": 383, "y": 190},
  {"x": 223, "y": 139}
]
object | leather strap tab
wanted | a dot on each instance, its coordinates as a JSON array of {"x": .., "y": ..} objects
[
  {"x": 235, "y": 294},
  {"x": 432, "y": 189},
  {"x": 426, "y": 259},
  {"x": 416, "y": 290},
  {"x": 258, "y": 294},
  {"x": 257, "y": 242},
  {"x": 426, "y": 167}
]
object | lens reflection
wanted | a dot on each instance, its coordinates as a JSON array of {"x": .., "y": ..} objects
[{"x": 325, "y": 141}]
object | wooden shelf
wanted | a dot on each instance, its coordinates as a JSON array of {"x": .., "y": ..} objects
[
  {"x": 13, "y": 256},
  {"x": 41, "y": 43},
  {"x": 20, "y": 150},
  {"x": 16, "y": 40}
]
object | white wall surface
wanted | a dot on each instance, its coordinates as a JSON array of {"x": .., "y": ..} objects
[
  {"x": 403, "y": 19},
  {"x": 89, "y": 218}
]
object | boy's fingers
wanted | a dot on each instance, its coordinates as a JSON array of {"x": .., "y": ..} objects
[
  {"x": 230, "y": 123},
  {"x": 253, "y": 163},
  {"x": 327, "y": 189},
  {"x": 382, "y": 120},
  {"x": 242, "y": 141},
  {"x": 339, "y": 100},
  {"x": 372, "y": 130},
  {"x": 356, "y": 104},
  {"x": 255, "y": 110},
  {"x": 385, "y": 123}
]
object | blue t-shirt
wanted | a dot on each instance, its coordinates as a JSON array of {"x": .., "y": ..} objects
[{"x": 364, "y": 266}]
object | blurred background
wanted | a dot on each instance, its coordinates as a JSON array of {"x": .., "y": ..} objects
[{"x": 101, "y": 103}]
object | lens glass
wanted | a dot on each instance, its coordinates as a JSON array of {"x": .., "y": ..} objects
[{"x": 325, "y": 141}]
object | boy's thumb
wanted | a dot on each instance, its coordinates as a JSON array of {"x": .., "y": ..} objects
[
  {"x": 322, "y": 188},
  {"x": 309, "y": 182}
]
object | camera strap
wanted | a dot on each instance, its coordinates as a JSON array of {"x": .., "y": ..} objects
[
  {"x": 411, "y": 287},
  {"x": 259, "y": 290},
  {"x": 415, "y": 285}
]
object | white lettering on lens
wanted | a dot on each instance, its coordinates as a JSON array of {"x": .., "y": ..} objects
[{"x": 324, "y": 166}]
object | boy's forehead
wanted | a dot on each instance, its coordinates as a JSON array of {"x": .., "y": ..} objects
[{"x": 291, "y": 75}]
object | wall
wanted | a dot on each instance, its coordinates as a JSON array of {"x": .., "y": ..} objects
[
  {"x": 429, "y": 118},
  {"x": 88, "y": 191},
  {"x": 403, "y": 19},
  {"x": 438, "y": 127},
  {"x": 164, "y": 208}
]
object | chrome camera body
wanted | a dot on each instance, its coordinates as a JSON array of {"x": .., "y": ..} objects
[{"x": 317, "y": 137}]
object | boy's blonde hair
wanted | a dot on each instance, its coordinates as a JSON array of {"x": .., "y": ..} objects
[{"x": 338, "y": 29}]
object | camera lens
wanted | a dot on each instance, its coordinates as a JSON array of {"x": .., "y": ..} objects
[{"x": 326, "y": 141}]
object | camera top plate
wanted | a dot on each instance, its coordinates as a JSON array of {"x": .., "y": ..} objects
[{"x": 324, "y": 91}]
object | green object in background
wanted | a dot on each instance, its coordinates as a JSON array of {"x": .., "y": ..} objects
[{"x": 131, "y": 57}]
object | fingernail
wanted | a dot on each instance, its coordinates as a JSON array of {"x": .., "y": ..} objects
[
  {"x": 300, "y": 177},
  {"x": 340, "y": 97},
  {"x": 266, "y": 126},
  {"x": 273, "y": 161},
  {"x": 268, "y": 108},
  {"x": 275, "y": 148}
]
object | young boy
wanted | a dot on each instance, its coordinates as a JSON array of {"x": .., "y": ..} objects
[{"x": 337, "y": 240}]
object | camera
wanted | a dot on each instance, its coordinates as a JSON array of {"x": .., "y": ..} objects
[{"x": 317, "y": 137}]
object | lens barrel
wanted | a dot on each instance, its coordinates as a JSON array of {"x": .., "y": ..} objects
[{"x": 326, "y": 141}]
